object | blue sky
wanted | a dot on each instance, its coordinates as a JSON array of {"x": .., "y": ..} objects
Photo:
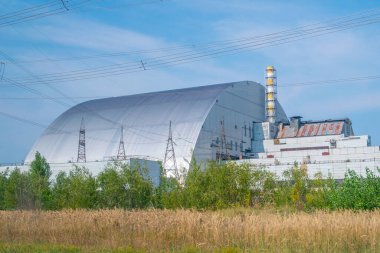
[{"x": 118, "y": 26}]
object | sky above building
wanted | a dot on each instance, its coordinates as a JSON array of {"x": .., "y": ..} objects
[{"x": 124, "y": 47}]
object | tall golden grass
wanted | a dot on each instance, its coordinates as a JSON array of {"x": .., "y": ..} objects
[{"x": 164, "y": 230}]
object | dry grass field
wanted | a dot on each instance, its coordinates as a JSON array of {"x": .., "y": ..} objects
[{"x": 189, "y": 231}]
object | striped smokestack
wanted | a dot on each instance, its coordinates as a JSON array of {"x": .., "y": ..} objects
[{"x": 271, "y": 94}]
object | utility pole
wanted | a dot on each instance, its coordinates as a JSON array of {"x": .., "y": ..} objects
[
  {"x": 121, "y": 151},
  {"x": 170, "y": 163},
  {"x": 82, "y": 143}
]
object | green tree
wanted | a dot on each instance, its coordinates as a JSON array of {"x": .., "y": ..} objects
[
  {"x": 75, "y": 190},
  {"x": 218, "y": 186},
  {"x": 264, "y": 185},
  {"x": 168, "y": 193},
  {"x": 319, "y": 188},
  {"x": 356, "y": 192},
  {"x": 138, "y": 186},
  {"x": 40, "y": 176},
  {"x": 3, "y": 185},
  {"x": 294, "y": 187},
  {"x": 18, "y": 191},
  {"x": 111, "y": 187}
]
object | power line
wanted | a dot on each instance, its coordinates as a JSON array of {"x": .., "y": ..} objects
[
  {"x": 199, "y": 45},
  {"x": 327, "y": 82},
  {"x": 181, "y": 58},
  {"x": 331, "y": 81},
  {"x": 37, "y": 12},
  {"x": 55, "y": 98},
  {"x": 81, "y": 109},
  {"x": 346, "y": 25},
  {"x": 23, "y": 120},
  {"x": 49, "y": 9},
  {"x": 35, "y": 7},
  {"x": 50, "y": 128}
]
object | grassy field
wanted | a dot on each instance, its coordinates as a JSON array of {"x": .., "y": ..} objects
[{"x": 233, "y": 230}]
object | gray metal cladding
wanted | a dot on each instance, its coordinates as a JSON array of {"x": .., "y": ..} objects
[{"x": 145, "y": 118}]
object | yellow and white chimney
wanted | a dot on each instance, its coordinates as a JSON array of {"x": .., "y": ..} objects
[{"x": 271, "y": 94}]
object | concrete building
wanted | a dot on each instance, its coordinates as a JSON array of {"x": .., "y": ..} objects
[{"x": 328, "y": 147}]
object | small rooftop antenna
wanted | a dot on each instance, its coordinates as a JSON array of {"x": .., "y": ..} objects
[
  {"x": 82, "y": 143},
  {"x": 121, "y": 151}
]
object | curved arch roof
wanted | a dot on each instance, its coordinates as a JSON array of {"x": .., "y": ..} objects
[{"x": 145, "y": 119}]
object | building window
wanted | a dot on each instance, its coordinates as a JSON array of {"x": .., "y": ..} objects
[
  {"x": 235, "y": 145},
  {"x": 250, "y": 131},
  {"x": 245, "y": 131}
]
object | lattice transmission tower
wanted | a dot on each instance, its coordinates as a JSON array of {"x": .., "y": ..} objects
[
  {"x": 82, "y": 143},
  {"x": 121, "y": 151},
  {"x": 170, "y": 162}
]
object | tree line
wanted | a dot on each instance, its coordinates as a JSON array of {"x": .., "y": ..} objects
[{"x": 217, "y": 186}]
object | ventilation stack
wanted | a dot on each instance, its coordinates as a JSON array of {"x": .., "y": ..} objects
[{"x": 271, "y": 94}]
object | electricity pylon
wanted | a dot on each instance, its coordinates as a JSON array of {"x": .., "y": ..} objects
[
  {"x": 82, "y": 143},
  {"x": 121, "y": 152},
  {"x": 170, "y": 163}
]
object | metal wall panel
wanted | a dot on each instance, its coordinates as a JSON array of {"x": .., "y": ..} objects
[{"x": 146, "y": 117}]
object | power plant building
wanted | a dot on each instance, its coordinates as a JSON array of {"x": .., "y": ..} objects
[
  {"x": 240, "y": 121},
  {"x": 207, "y": 123}
]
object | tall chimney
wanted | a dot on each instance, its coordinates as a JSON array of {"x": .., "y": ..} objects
[{"x": 271, "y": 94}]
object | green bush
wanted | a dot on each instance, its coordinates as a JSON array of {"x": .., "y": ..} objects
[
  {"x": 169, "y": 193},
  {"x": 227, "y": 185},
  {"x": 40, "y": 174},
  {"x": 138, "y": 186},
  {"x": 75, "y": 190},
  {"x": 356, "y": 192},
  {"x": 111, "y": 188},
  {"x": 18, "y": 191},
  {"x": 214, "y": 186},
  {"x": 3, "y": 184}
]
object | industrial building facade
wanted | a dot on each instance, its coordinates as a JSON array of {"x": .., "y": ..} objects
[
  {"x": 240, "y": 121},
  {"x": 207, "y": 123}
]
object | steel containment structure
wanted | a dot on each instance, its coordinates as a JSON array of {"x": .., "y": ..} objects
[
  {"x": 240, "y": 121},
  {"x": 208, "y": 123}
]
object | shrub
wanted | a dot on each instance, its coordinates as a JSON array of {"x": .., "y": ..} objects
[
  {"x": 356, "y": 192},
  {"x": 18, "y": 192},
  {"x": 75, "y": 190}
]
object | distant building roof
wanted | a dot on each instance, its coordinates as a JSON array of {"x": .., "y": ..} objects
[{"x": 298, "y": 128}]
